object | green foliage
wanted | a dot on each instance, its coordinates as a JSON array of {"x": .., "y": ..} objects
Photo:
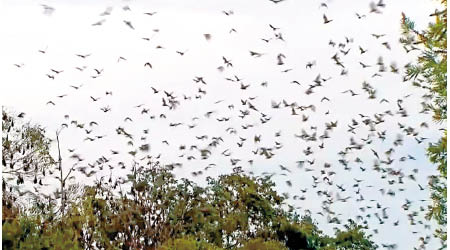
[
  {"x": 431, "y": 70},
  {"x": 187, "y": 244},
  {"x": 352, "y": 238},
  {"x": 232, "y": 212},
  {"x": 438, "y": 154},
  {"x": 431, "y": 65},
  {"x": 30, "y": 233},
  {"x": 260, "y": 244}
]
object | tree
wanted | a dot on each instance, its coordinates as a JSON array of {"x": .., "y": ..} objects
[
  {"x": 430, "y": 72},
  {"x": 25, "y": 149},
  {"x": 151, "y": 209},
  {"x": 160, "y": 212},
  {"x": 352, "y": 238},
  {"x": 25, "y": 156}
]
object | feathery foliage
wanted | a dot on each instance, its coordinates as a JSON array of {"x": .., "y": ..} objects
[{"x": 430, "y": 72}]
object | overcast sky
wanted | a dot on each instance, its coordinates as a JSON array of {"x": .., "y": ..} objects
[{"x": 68, "y": 30}]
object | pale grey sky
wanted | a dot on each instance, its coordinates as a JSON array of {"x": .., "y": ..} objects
[{"x": 68, "y": 31}]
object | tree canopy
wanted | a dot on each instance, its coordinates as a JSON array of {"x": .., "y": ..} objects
[{"x": 160, "y": 212}]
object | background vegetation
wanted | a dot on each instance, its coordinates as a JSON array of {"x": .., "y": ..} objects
[{"x": 154, "y": 210}]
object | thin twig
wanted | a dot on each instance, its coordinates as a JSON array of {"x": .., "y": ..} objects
[{"x": 61, "y": 173}]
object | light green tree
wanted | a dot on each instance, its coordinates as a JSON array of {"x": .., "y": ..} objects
[{"x": 430, "y": 72}]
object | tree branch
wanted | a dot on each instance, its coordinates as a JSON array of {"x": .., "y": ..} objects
[{"x": 61, "y": 174}]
